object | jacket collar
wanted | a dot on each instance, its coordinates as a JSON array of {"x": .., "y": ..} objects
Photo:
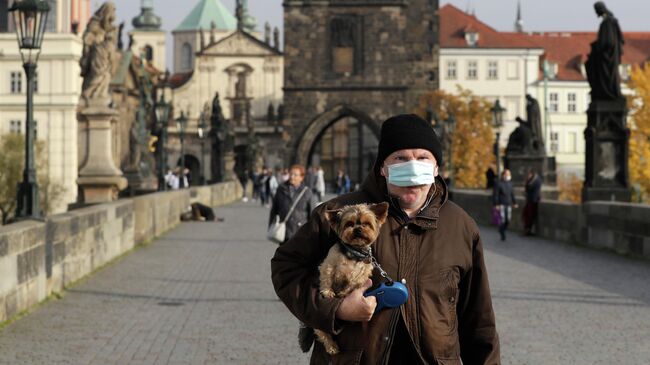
[{"x": 375, "y": 186}]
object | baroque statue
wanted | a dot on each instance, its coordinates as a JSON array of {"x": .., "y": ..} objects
[
  {"x": 527, "y": 139},
  {"x": 605, "y": 57},
  {"x": 98, "y": 58}
]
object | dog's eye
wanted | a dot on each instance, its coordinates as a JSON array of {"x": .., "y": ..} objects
[
  {"x": 366, "y": 224},
  {"x": 349, "y": 224}
]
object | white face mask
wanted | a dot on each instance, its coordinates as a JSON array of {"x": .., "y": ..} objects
[
  {"x": 507, "y": 178},
  {"x": 412, "y": 173}
]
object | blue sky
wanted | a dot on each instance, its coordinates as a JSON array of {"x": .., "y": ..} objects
[{"x": 538, "y": 15}]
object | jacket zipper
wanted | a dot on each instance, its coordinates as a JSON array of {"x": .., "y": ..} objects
[{"x": 391, "y": 337}]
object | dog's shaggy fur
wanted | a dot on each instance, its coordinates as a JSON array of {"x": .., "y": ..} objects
[{"x": 357, "y": 226}]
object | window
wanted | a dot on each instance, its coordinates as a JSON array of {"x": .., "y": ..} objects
[
  {"x": 15, "y": 126},
  {"x": 555, "y": 141},
  {"x": 35, "y": 82},
  {"x": 148, "y": 53},
  {"x": 472, "y": 70},
  {"x": 16, "y": 82},
  {"x": 451, "y": 70},
  {"x": 553, "y": 105},
  {"x": 493, "y": 70},
  {"x": 471, "y": 38},
  {"x": 186, "y": 56},
  {"x": 572, "y": 140},
  {"x": 345, "y": 45},
  {"x": 571, "y": 102}
]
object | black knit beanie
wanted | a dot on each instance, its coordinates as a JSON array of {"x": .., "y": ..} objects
[{"x": 407, "y": 131}]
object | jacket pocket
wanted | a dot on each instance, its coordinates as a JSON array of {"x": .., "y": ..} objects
[{"x": 448, "y": 281}]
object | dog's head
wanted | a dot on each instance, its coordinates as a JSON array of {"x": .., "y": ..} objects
[{"x": 358, "y": 225}]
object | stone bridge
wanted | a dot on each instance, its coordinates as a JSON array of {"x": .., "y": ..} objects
[{"x": 125, "y": 283}]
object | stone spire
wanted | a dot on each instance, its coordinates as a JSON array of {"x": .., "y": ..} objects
[
  {"x": 245, "y": 21},
  {"x": 519, "y": 23},
  {"x": 147, "y": 20}
]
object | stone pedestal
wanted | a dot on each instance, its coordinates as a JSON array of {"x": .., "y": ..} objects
[
  {"x": 99, "y": 179},
  {"x": 229, "y": 166},
  {"x": 519, "y": 165},
  {"x": 606, "y": 160}
]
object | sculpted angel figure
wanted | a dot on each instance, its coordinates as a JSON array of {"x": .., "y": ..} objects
[{"x": 98, "y": 58}]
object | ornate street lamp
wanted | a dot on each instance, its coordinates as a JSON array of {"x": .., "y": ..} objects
[
  {"x": 450, "y": 125},
  {"x": 497, "y": 123},
  {"x": 181, "y": 122},
  {"x": 162, "y": 109},
  {"x": 201, "y": 132},
  {"x": 30, "y": 18}
]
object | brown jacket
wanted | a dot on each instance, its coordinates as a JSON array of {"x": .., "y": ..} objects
[{"x": 449, "y": 312}]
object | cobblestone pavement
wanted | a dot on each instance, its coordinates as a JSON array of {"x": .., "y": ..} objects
[{"x": 201, "y": 294}]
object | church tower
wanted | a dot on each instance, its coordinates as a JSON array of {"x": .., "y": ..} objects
[
  {"x": 148, "y": 38},
  {"x": 365, "y": 60},
  {"x": 519, "y": 23}
]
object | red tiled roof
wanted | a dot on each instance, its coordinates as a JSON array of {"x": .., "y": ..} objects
[
  {"x": 569, "y": 50},
  {"x": 454, "y": 23}
]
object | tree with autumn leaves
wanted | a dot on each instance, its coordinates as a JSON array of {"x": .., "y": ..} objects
[
  {"x": 472, "y": 139},
  {"x": 639, "y": 159}
]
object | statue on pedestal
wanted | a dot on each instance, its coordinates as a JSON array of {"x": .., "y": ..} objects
[
  {"x": 223, "y": 144},
  {"x": 606, "y": 135},
  {"x": 99, "y": 179},
  {"x": 525, "y": 148}
]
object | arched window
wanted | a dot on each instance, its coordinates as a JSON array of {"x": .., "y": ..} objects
[
  {"x": 186, "y": 56},
  {"x": 148, "y": 53}
]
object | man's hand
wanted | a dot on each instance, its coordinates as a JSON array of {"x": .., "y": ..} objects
[{"x": 357, "y": 308}]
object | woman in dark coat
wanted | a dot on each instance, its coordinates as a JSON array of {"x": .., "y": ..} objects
[
  {"x": 504, "y": 200},
  {"x": 284, "y": 198}
]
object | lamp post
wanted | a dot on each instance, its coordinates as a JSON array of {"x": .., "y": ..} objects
[
  {"x": 497, "y": 123},
  {"x": 162, "y": 117},
  {"x": 30, "y": 18},
  {"x": 201, "y": 132},
  {"x": 450, "y": 125},
  {"x": 180, "y": 126}
]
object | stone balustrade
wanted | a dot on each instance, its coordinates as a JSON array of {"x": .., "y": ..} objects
[
  {"x": 620, "y": 227},
  {"x": 39, "y": 258}
]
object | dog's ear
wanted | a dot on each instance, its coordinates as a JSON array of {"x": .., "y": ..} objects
[
  {"x": 381, "y": 211},
  {"x": 333, "y": 217}
]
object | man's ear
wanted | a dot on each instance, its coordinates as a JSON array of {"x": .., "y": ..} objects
[
  {"x": 333, "y": 217},
  {"x": 380, "y": 210}
]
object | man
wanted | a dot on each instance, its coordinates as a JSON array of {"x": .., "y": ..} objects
[
  {"x": 533, "y": 196},
  {"x": 427, "y": 240},
  {"x": 504, "y": 200}
]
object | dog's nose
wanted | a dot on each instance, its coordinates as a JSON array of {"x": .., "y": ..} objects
[{"x": 357, "y": 231}]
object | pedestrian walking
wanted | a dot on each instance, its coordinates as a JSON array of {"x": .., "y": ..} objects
[
  {"x": 264, "y": 188},
  {"x": 533, "y": 196},
  {"x": 294, "y": 191},
  {"x": 320, "y": 183},
  {"x": 431, "y": 242},
  {"x": 243, "y": 180},
  {"x": 490, "y": 176},
  {"x": 504, "y": 200},
  {"x": 342, "y": 183}
]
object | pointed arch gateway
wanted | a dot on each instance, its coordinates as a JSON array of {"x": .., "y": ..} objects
[{"x": 304, "y": 147}]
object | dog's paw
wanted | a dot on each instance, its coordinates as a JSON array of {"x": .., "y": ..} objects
[
  {"x": 333, "y": 349},
  {"x": 327, "y": 293}
]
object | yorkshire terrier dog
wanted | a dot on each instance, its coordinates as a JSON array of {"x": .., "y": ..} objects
[{"x": 347, "y": 265}]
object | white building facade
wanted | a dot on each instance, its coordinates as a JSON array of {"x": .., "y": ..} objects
[
  {"x": 509, "y": 65},
  {"x": 55, "y": 104}
]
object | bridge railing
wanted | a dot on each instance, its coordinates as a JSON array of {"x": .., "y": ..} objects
[
  {"x": 620, "y": 227},
  {"x": 40, "y": 258}
]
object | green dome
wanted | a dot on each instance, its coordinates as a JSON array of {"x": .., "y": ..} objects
[{"x": 206, "y": 12}]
